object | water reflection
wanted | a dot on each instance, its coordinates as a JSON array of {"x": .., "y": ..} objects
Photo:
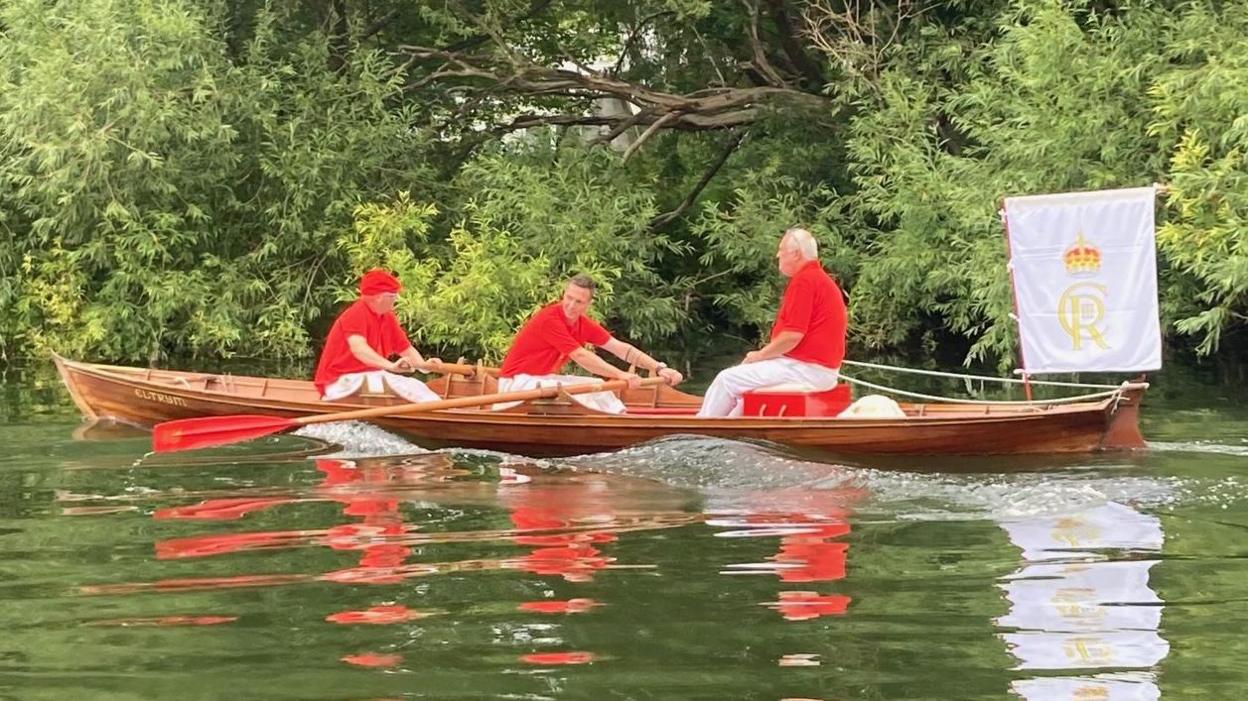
[
  {"x": 1080, "y": 603},
  {"x": 395, "y": 512},
  {"x": 558, "y": 521},
  {"x": 812, "y": 548}
]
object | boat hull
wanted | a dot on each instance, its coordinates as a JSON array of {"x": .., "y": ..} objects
[{"x": 147, "y": 397}]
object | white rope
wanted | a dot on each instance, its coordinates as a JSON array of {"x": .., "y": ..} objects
[
  {"x": 981, "y": 378},
  {"x": 1039, "y": 402}
]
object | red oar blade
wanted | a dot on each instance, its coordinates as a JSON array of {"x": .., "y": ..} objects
[{"x": 209, "y": 431}]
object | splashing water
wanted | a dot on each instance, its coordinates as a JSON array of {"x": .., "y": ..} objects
[{"x": 359, "y": 439}]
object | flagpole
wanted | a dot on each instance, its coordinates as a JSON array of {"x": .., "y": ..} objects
[{"x": 1005, "y": 220}]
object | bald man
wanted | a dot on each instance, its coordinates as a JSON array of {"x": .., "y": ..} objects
[{"x": 807, "y": 341}]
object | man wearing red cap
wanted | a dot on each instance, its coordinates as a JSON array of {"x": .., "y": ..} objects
[
  {"x": 362, "y": 341},
  {"x": 558, "y": 333}
]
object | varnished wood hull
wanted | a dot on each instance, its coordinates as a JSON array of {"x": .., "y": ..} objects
[{"x": 147, "y": 397}]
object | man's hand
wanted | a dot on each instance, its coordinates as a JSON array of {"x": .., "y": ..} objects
[
  {"x": 400, "y": 366},
  {"x": 671, "y": 376},
  {"x": 634, "y": 380},
  {"x": 429, "y": 365},
  {"x": 753, "y": 357}
]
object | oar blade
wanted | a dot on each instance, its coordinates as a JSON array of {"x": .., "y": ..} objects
[{"x": 209, "y": 431}]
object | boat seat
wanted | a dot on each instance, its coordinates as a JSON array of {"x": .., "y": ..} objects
[{"x": 796, "y": 399}]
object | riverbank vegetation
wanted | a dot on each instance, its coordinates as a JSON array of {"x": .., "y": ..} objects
[{"x": 209, "y": 177}]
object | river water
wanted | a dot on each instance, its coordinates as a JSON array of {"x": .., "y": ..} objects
[{"x": 347, "y": 563}]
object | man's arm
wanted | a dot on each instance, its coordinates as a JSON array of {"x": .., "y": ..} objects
[
  {"x": 590, "y": 361},
  {"x": 365, "y": 354},
  {"x": 784, "y": 342},
  {"x": 634, "y": 356},
  {"x": 415, "y": 361}
]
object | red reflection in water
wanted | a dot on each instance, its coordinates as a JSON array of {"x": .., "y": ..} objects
[
  {"x": 558, "y": 658},
  {"x": 373, "y": 575},
  {"x": 377, "y": 615},
  {"x": 569, "y": 606},
  {"x": 805, "y": 605},
  {"x": 373, "y": 659},
  {"x": 167, "y": 621},
  {"x": 562, "y": 506},
  {"x": 381, "y": 521},
  {"x": 811, "y": 556},
  {"x": 220, "y": 509},
  {"x": 221, "y": 543},
  {"x": 565, "y": 523},
  {"x": 809, "y": 551}
]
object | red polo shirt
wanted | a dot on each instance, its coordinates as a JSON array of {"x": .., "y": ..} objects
[
  {"x": 547, "y": 339},
  {"x": 814, "y": 305},
  {"x": 382, "y": 331}
]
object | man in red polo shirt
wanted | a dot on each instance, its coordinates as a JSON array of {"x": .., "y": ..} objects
[
  {"x": 807, "y": 341},
  {"x": 558, "y": 333},
  {"x": 361, "y": 342}
]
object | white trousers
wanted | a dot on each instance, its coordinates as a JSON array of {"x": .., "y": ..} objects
[
  {"x": 723, "y": 397},
  {"x": 605, "y": 402},
  {"x": 409, "y": 388}
]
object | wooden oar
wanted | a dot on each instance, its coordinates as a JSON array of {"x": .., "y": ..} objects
[{"x": 208, "y": 431}]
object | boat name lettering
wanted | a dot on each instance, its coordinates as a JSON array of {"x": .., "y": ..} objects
[{"x": 159, "y": 397}]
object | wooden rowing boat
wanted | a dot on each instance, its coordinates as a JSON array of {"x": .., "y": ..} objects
[{"x": 145, "y": 397}]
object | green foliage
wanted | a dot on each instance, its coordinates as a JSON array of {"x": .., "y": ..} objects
[
  {"x": 1201, "y": 113},
  {"x": 170, "y": 199},
  {"x": 1061, "y": 87},
  {"x": 211, "y": 177},
  {"x": 533, "y": 215}
]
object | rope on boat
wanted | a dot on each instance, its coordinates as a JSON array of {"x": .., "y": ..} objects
[
  {"x": 1115, "y": 392},
  {"x": 981, "y": 378}
]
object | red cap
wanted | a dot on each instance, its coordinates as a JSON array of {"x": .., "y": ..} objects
[{"x": 377, "y": 281}]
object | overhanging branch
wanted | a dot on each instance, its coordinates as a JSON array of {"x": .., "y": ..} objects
[
  {"x": 707, "y": 109},
  {"x": 668, "y": 217}
]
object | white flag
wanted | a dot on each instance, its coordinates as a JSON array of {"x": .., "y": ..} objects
[{"x": 1085, "y": 280}]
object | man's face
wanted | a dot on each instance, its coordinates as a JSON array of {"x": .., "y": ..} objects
[
  {"x": 383, "y": 302},
  {"x": 576, "y": 301},
  {"x": 788, "y": 257}
]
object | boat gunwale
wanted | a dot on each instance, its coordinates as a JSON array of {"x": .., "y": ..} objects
[{"x": 974, "y": 414}]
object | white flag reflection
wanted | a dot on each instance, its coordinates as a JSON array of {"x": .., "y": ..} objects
[{"x": 1072, "y": 608}]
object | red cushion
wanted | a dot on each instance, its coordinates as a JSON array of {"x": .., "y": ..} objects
[{"x": 789, "y": 403}]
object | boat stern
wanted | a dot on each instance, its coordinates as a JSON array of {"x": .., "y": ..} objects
[{"x": 1122, "y": 414}]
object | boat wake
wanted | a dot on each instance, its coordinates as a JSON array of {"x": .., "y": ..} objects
[
  {"x": 357, "y": 439},
  {"x": 704, "y": 461},
  {"x": 1202, "y": 447},
  {"x": 735, "y": 475},
  {"x": 732, "y": 475}
]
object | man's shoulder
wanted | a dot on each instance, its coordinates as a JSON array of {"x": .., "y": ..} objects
[
  {"x": 817, "y": 275},
  {"x": 351, "y": 310},
  {"x": 588, "y": 323},
  {"x": 542, "y": 314},
  {"x": 358, "y": 313}
]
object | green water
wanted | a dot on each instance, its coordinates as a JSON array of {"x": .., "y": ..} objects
[{"x": 686, "y": 569}]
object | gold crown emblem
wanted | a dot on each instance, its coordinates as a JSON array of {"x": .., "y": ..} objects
[{"x": 1082, "y": 258}]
